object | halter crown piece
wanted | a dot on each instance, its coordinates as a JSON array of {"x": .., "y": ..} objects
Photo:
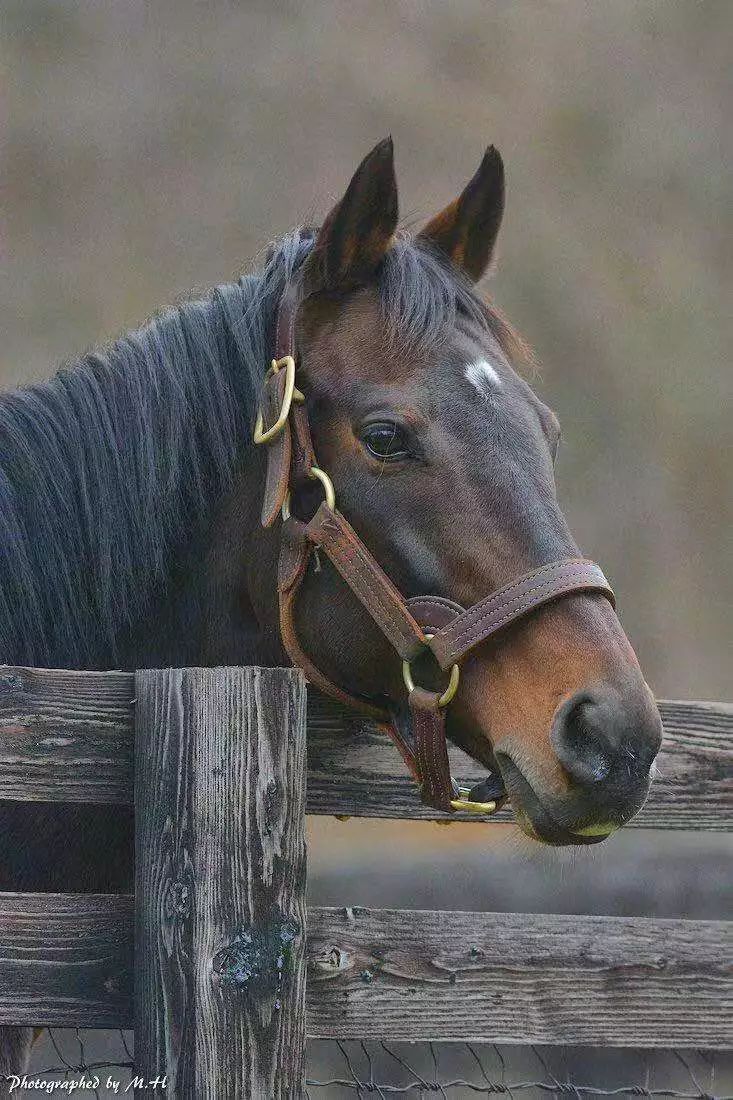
[{"x": 412, "y": 626}]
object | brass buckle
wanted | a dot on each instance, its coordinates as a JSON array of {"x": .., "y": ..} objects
[
  {"x": 291, "y": 394},
  {"x": 455, "y": 675},
  {"x": 464, "y": 803}
]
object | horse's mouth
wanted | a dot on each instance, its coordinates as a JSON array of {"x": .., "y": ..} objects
[
  {"x": 535, "y": 819},
  {"x": 505, "y": 783}
]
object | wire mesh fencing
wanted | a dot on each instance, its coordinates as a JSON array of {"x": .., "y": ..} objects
[
  {"x": 79, "y": 1062},
  {"x": 87, "y": 1062},
  {"x": 470, "y": 1070}
]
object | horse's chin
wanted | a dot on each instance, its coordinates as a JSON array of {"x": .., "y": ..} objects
[
  {"x": 534, "y": 818},
  {"x": 555, "y": 837}
]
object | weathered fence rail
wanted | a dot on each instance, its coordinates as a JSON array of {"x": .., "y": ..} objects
[
  {"x": 68, "y": 737},
  {"x": 209, "y": 959},
  {"x": 515, "y": 977}
]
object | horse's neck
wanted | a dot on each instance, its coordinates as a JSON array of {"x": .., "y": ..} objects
[
  {"x": 219, "y": 604},
  {"x": 113, "y": 541}
]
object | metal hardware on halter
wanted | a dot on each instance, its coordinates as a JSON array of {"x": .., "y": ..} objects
[
  {"x": 287, "y": 363},
  {"x": 317, "y": 474},
  {"x": 455, "y": 675},
  {"x": 321, "y": 475},
  {"x": 465, "y": 803}
]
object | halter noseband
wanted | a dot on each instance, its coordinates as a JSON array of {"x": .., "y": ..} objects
[{"x": 412, "y": 626}]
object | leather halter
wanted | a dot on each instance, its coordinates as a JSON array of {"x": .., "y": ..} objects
[{"x": 412, "y": 626}]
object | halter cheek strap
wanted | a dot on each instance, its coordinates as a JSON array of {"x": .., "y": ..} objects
[{"x": 411, "y": 626}]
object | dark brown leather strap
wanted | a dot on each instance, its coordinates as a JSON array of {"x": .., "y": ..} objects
[
  {"x": 426, "y": 755},
  {"x": 290, "y": 454},
  {"x": 431, "y": 750},
  {"x": 286, "y": 317},
  {"x": 303, "y": 453},
  {"x": 279, "y": 450},
  {"x": 296, "y": 550},
  {"x": 367, "y": 580},
  {"x": 513, "y": 602}
]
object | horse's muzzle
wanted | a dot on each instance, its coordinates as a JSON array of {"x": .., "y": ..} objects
[{"x": 604, "y": 742}]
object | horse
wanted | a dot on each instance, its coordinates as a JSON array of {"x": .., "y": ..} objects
[{"x": 132, "y": 533}]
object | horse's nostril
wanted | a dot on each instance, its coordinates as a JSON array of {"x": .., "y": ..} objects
[{"x": 587, "y": 735}]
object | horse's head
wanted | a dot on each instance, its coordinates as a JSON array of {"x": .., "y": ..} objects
[{"x": 442, "y": 458}]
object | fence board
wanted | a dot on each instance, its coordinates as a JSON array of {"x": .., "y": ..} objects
[
  {"x": 392, "y": 974},
  {"x": 67, "y": 736},
  {"x": 519, "y": 978},
  {"x": 220, "y": 881},
  {"x": 66, "y": 959}
]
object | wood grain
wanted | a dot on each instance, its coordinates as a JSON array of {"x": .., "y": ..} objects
[
  {"x": 67, "y": 736},
  {"x": 66, "y": 959},
  {"x": 394, "y": 974},
  {"x": 519, "y": 978},
  {"x": 220, "y": 852}
]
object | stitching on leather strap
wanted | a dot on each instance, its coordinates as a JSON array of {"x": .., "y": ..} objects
[
  {"x": 357, "y": 573},
  {"x": 369, "y": 582},
  {"x": 496, "y": 598},
  {"x": 437, "y": 603},
  {"x": 527, "y": 599},
  {"x": 469, "y": 627},
  {"x": 431, "y": 749},
  {"x": 480, "y": 631}
]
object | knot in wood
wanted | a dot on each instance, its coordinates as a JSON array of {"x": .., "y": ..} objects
[
  {"x": 178, "y": 899},
  {"x": 11, "y": 682},
  {"x": 257, "y": 958},
  {"x": 333, "y": 959}
]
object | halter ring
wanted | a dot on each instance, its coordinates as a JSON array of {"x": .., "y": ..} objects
[
  {"x": 464, "y": 803},
  {"x": 291, "y": 394},
  {"x": 320, "y": 475},
  {"x": 317, "y": 474},
  {"x": 455, "y": 675}
]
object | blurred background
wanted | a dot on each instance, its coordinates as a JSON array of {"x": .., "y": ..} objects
[{"x": 149, "y": 150}]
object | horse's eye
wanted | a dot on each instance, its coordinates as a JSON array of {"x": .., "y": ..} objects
[{"x": 385, "y": 440}]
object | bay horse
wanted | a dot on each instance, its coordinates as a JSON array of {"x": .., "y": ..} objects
[{"x": 131, "y": 535}]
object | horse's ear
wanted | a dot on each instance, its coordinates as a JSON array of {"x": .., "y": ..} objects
[
  {"x": 467, "y": 229},
  {"x": 356, "y": 234}
]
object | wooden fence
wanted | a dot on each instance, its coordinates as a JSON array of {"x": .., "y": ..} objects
[{"x": 209, "y": 960}]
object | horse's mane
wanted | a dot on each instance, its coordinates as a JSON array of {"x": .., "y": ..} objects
[{"x": 122, "y": 455}]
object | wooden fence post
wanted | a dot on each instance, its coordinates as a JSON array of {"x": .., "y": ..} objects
[{"x": 220, "y": 883}]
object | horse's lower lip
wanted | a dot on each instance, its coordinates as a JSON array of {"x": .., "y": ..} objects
[{"x": 530, "y": 810}]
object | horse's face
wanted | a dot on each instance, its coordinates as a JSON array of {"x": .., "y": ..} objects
[{"x": 442, "y": 458}]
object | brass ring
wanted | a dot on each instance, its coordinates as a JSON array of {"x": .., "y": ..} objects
[
  {"x": 320, "y": 475},
  {"x": 455, "y": 674},
  {"x": 464, "y": 803},
  {"x": 291, "y": 394}
]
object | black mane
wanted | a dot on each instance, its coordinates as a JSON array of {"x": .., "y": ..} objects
[{"x": 122, "y": 455}]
